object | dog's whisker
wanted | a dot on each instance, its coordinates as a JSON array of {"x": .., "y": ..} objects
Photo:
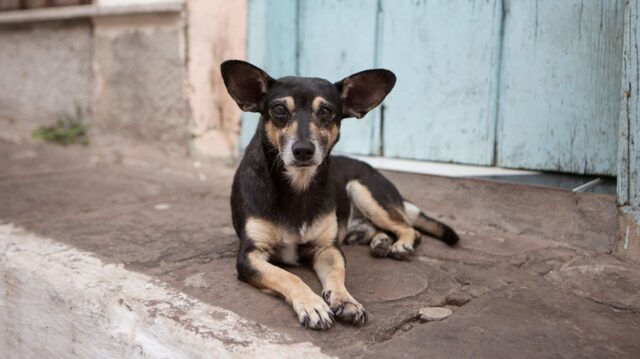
[{"x": 275, "y": 163}]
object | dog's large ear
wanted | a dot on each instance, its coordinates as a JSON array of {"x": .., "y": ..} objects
[
  {"x": 362, "y": 92},
  {"x": 247, "y": 84}
]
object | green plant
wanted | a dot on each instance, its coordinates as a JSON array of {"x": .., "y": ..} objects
[{"x": 67, "y": 129}]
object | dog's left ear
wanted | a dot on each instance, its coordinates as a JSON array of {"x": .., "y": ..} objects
[
  {"x": 247, "y": 84},
  {"x": 363, "y": 91}
]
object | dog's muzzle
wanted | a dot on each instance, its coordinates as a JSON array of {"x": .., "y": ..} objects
[{"x": 302, "y": 153}]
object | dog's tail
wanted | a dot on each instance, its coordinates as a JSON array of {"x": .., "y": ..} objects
[{"x": 429, "y": 226}]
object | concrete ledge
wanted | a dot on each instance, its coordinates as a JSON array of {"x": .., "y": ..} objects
[
  {"x": 57, "y": 301},
  {"x": 628, "y": 233},
  {"x": 86, "y": 11}
]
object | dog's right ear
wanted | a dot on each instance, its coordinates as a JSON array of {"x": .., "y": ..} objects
[{"x": 247, "y": 84}]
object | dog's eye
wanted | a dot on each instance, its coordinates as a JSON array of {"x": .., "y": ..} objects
[
  {"x": 279, "y": 110},
  {"x": 325, "y": 112}
]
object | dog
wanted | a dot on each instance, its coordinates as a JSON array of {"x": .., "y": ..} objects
[{"x": 292, "y": 202}]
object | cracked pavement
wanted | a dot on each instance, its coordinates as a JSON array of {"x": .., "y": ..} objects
[{"x": 532, "y": 276}]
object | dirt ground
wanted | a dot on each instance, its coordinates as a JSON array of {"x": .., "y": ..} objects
[{"x": 532, "y": 276}]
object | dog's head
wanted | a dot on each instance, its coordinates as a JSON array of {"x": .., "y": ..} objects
[{"x": 301, "y": 115}]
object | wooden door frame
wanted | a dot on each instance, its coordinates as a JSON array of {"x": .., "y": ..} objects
[{"x": 628, "y": 186}]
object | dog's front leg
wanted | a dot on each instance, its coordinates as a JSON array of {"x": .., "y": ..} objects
[
  {"x": 329, "y": 265},
  {"x": 312, "y": 311}
]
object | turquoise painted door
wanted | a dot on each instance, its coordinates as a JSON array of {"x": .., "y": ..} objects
[
  {"x": 445, "y": 55},
  {"x": 560, "y": 86},
  {"x": 533, "y": 85},
  {"x": 288, "y": 37},
  {"x": 335, "y": 40}
]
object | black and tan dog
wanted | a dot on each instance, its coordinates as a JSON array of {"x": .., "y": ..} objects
[{"x": 292, "y": 202}]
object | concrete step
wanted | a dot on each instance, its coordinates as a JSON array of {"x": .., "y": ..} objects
[
  {"x": 86, "y": 227},
  {"x": 60, "y": 302}
]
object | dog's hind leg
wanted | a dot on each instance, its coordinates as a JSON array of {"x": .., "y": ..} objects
[
  {"x": 359, "y": 231},
  {"x": 380, "y": 244},
  {"x": 362, "y": 231},
  {"x": 388, "y": 219}
]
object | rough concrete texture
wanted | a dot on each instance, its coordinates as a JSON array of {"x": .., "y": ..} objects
[
  {"x": 532, "y": 276},
  {"x": 45, "y": 71},
  {"x": 148, "y": 77},
  {"x": 105, "y": 311},
  {"x": 140, "y": 79}
]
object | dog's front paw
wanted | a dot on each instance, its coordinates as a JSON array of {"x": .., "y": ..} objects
[
  {"x": 313, "y": 312},
  {"x": 345, "y": 308}
]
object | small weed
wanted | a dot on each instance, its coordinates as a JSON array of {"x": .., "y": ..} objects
[{"x": 66, "y": 130}]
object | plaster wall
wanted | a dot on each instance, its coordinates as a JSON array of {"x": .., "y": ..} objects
[
  {"x": 140, "y": 83},
  {"x": 216, "y": 32},
  {"x": 45, "y": 71}
]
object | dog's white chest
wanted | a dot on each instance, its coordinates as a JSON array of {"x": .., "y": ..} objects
[
  {"x": 289, "y": 242},
  {"x": 287, "y": 252},
  {"x": 321, "y": 232}
]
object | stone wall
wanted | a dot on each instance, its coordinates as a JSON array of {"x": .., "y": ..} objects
[
  {"x": 140, "y": 82},
  {"x": 45, "y": 70},
  {"x": 146, "y": 72}
]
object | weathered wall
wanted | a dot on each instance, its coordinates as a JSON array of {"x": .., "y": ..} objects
[
  {"x": 216, "y": 32},
  {"x": 519, "y": 84},
  {"x": 150, "y": 74},
  {"x": 140, "y": 78},
  {"x": 45, "y": 70},
  {"x": 559, "y": 86}
]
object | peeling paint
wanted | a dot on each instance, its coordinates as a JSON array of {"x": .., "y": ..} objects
[{"x": 626, "y": 239}]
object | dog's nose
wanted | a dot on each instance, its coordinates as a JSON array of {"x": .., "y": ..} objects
[{"x": 303, "y": 150}]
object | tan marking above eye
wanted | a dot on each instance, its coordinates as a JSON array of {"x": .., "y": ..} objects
[
  {"x": 317, "y": 102},
  {"x": 288, "y": 102}
]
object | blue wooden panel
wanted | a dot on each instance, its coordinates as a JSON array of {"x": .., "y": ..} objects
[
  {"x": 271, "y": 45},
  {"x": 338, "y": 38},
  {"x": 445, "y": 54},
  {"x": 560, "y": 85}
]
